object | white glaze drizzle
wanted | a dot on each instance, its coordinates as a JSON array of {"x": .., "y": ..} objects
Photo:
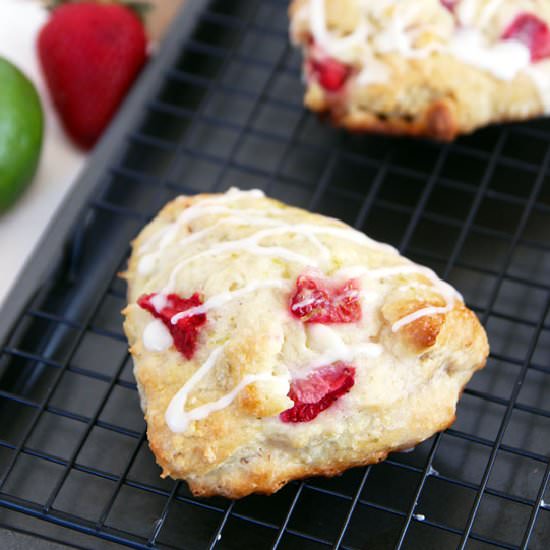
[
  {"x": 446, "y": 290},
  {"x": 178, "y": 419},
  {"x": 424, "y": 312},
  {"x": 157, "y": 238},
  {"x": 167, "y": 234},
  {"x": 330, "y": 347},
  {"x": 179, "y": 422},
  {"x": 147, "y": 263},
  {"x": 346, "y": 353},
  {"x": 251, "y": 245},
  {"x": 504, "y": 59},
  {"x": 156, "y": 337},
  {"x": 200, "y": 210},
  {"x": 334, "y": 45},
  {"x": 488, "y": 11},
  {"x": 239, "y": 217},
  {"x": 159, "y": 302},
  {"x": 322, "y": 338},
  {"x": 466, "y": 11},
  {"x": 305, "y": 302},
  {"x": 309, "y": 231},
  {"x": 396, "y": 37},
  {"x": 223, "y": 298}
]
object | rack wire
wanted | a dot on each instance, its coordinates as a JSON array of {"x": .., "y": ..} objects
[{"x": 74, "y": 463}]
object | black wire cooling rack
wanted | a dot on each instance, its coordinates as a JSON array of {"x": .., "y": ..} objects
[{"x": 221, "y": 106}]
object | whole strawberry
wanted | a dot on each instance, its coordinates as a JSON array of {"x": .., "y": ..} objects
[{"x": 90, "y": 54}]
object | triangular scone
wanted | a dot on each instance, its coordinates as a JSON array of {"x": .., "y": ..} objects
[
  {"x": 271, "y": 344},
  {"x": 434, "y": 68}
]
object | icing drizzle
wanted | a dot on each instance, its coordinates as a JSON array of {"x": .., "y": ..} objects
[
  {"x": 157, "y": 337},
  {"x": 225, "y": 297},
  {"x": 178, "y": 419},
  {"x": 446, "y": 290}
]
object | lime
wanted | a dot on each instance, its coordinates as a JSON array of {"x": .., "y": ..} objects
[{"x": 21, "y": 130}]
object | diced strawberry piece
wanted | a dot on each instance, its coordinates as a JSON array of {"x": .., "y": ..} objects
[
  {"x": 318, "y": 391},
  {"x": 186, "y": 331},
  {"x": 317, "y": 301},
  {"x": 531, "y": 31},
  {"x": 330, "y": 73},
  {"x": 450, "y": 4}
]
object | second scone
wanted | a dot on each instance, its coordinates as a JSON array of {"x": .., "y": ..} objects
[
  {"x": 436, "y": 68},
  {"x": 271, "y": 344}
]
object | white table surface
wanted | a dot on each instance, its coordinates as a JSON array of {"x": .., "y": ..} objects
[{"x": 22, "y": 226}]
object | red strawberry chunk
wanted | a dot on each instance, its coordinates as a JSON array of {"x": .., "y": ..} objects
[
  {"x": 531, "y": 31},
  {"x": 330, "y": 73},
  {"x": 317, "y": 301},
  {"x": 186, "y": 331},
  {"x": 449, "y": 4},
  {"x": 318, "y": 391}
]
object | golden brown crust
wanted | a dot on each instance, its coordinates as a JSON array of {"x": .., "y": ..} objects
[
  {"x": 399, "y": 399},
  {"x": 438, "y": 121}
]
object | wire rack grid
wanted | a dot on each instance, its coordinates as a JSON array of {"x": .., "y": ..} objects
[{"x": 74, "y": 463}]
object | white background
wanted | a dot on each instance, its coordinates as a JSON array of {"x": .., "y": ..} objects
[{"x": 22, "y": 226}]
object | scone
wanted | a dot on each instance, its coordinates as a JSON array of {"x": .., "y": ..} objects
[
  {"x": 434, "y": 68},
  {"x": 270, "y": 344}
]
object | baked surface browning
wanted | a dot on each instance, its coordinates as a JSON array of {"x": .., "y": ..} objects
[
  {"x": 401, "y": 396},
  {"x": 436, "y": 94}
]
